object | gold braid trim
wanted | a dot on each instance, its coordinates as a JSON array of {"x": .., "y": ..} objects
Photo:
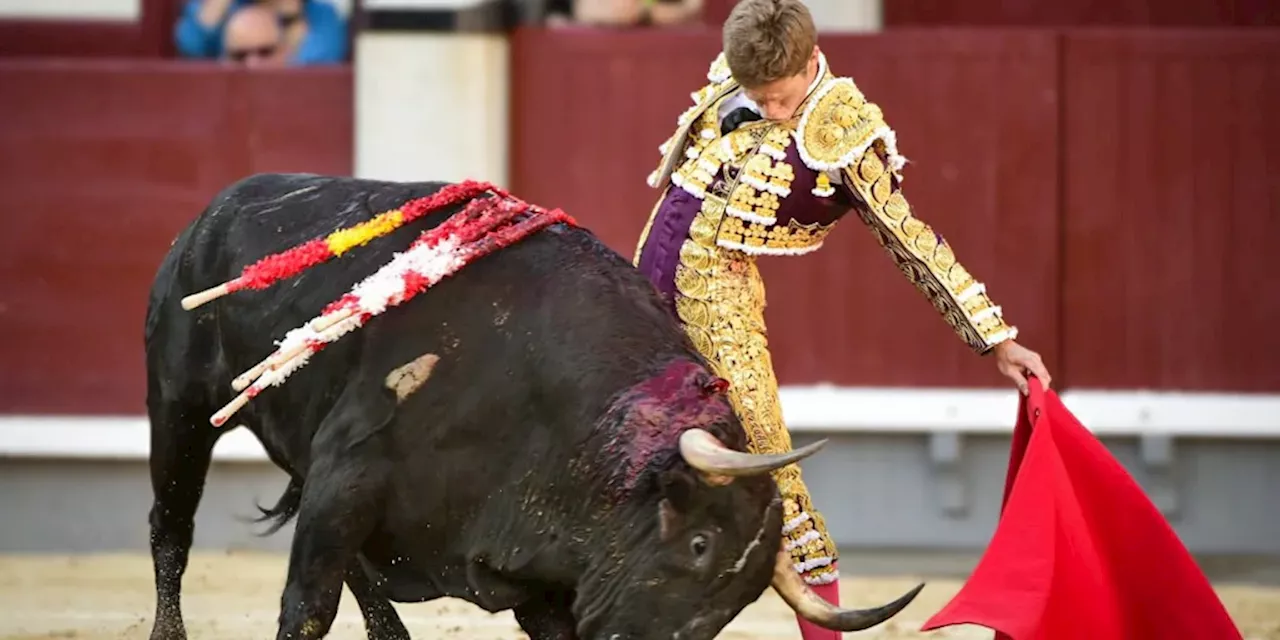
[
  {"x": 924, "y": 257},
  {"x": 720, "y": 83}
]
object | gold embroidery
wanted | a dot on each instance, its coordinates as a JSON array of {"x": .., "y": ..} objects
[
  {"x": 793, "y": 238},
  {"x": 837, "y": 125},
  {"x": 767, "y": 206},
  {"x": 822, "y": 187},
  {"x": 780, "y": 178},
  {"x": 690, "y": 124},
  {"x": 924, "y": 257},
  {"x": 719, "y": 71},
  {"x": 742, "y": 203}
]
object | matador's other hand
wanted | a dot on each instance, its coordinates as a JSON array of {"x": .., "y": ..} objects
[{"x": 1016, "y": 362}]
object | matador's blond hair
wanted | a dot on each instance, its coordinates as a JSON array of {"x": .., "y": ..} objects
[{"x": 767, "y": 40}]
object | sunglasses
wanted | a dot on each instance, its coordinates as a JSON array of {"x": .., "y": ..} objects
[{"x": 239, "y": 55}]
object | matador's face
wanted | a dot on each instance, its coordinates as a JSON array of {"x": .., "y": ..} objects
[{"x": 781, "y": 99}]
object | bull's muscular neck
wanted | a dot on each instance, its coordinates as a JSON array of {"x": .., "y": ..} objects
[
  {"x": 632, "y": 443},
  {"x": 571, "y": 528},
  {"x": 641, "y": 430}
]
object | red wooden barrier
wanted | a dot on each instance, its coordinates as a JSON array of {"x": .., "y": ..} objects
[
  {"x": 104, "y": 163},
  {"x": 1172, "y": 210},
  {"x": 1081, "y": 13},
  {"x": 1058, "y": 13},
  {"x": 149, "y": 37},
  {"x": 976, "y": 112},
  {"x": 1113, "y": 189}
]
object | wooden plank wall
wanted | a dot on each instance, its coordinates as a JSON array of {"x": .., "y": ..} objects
[
  {"x": 1080, "y": 13},
  {"x": 103, "y": 164},
  {"x": 1058, "y": 14},
  {"x": 1171, "y": 210}
]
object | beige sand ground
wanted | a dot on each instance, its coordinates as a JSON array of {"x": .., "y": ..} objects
[{"x": 235, "y": 595}]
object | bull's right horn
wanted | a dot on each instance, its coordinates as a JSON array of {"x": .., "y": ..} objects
[
  {"x": 815, "y": 609},
  {"x": 707, "y": 454}
]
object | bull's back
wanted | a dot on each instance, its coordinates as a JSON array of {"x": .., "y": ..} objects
[{"x": 199, "y": 351}]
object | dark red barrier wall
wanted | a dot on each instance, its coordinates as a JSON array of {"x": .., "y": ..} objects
[
  {"x": 1081, "y": 13},
  {"x": 1115, "y": 190},
  {"x": 1172, "y": 211},
  {"x": 103, "y": 164},
  {"x": 1059, "y": 13}
]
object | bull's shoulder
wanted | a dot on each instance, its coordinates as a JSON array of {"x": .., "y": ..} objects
[
  {"x": 278, "y": 189},
  {"x": 295, "y": 207}
]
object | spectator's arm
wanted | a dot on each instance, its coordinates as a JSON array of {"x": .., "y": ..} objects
[
  {"x": 614, "y": 13},
  {"x": 326, "y": 39},
  {"x": 664, "y": 12},
  {"x": 196, "y": 33}
]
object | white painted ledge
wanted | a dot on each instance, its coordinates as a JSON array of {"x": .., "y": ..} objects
[
  {"x": 1119, "y": 412},
  {"x": 816, "y": 409},
  {"x": 107, "y": 10}
]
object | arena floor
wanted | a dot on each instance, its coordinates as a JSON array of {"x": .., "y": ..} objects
[{"x": 234, "y": 595}]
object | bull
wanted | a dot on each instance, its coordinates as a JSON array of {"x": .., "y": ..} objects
[{"x": 561, "y": 450}]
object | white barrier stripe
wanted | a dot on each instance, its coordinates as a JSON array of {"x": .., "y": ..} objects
[
  {"x": 836, "y": 409},
  {"x": 118, "y": 11},
  {"x": 815, "y": 409}
]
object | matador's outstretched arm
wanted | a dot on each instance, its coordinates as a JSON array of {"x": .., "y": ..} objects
[
  {"x": 923, "y": 255},
  {"x": 843, "y": 134}
]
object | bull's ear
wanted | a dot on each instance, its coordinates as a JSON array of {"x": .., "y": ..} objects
[{"x": 678, "y": 486}]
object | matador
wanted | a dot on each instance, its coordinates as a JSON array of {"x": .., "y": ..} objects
[{"x": 772, "y": 154}]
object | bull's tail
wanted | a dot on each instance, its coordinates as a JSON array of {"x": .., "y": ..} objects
[{"x": 284, "y": 510}]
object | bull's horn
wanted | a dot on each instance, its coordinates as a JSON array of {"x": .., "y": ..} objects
[
  {"x": 707, "y": 454},
  {"x": 815, "y": 609}
]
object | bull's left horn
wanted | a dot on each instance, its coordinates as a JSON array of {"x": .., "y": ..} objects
[
  {"x": 707, "y": 454},
  {"x": 815, "y": 609}
]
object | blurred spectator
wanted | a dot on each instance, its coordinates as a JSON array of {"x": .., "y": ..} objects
[
  {"x": 622, "y": 13},
  {"x": 313, "y": 31},
  {"x": 253, "y": 37}
]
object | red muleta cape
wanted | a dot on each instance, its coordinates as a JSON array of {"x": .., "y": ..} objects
[{"x": 1080, "y": 552}]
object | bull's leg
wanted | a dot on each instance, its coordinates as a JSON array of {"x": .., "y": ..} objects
[
  {"x": 381, "y": 621},
  {"x": 339, "y": 509},
  {"x": 181, "y": 447},
  {"x": 548, "y": 618}
]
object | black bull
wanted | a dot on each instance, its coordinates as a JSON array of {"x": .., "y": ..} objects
[{"x": 569, "y": 457}]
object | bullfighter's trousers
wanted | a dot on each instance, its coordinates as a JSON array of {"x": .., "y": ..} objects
[{"x": 721, "y": 307}]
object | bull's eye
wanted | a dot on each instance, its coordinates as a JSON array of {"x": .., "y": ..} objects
[{"x": 698, "y": 544}]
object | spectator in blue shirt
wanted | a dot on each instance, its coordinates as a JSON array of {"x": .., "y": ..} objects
[{"x": 314, "y": 31}]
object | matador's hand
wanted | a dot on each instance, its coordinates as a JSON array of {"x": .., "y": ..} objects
[{"x": 1016, "y": 362}]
